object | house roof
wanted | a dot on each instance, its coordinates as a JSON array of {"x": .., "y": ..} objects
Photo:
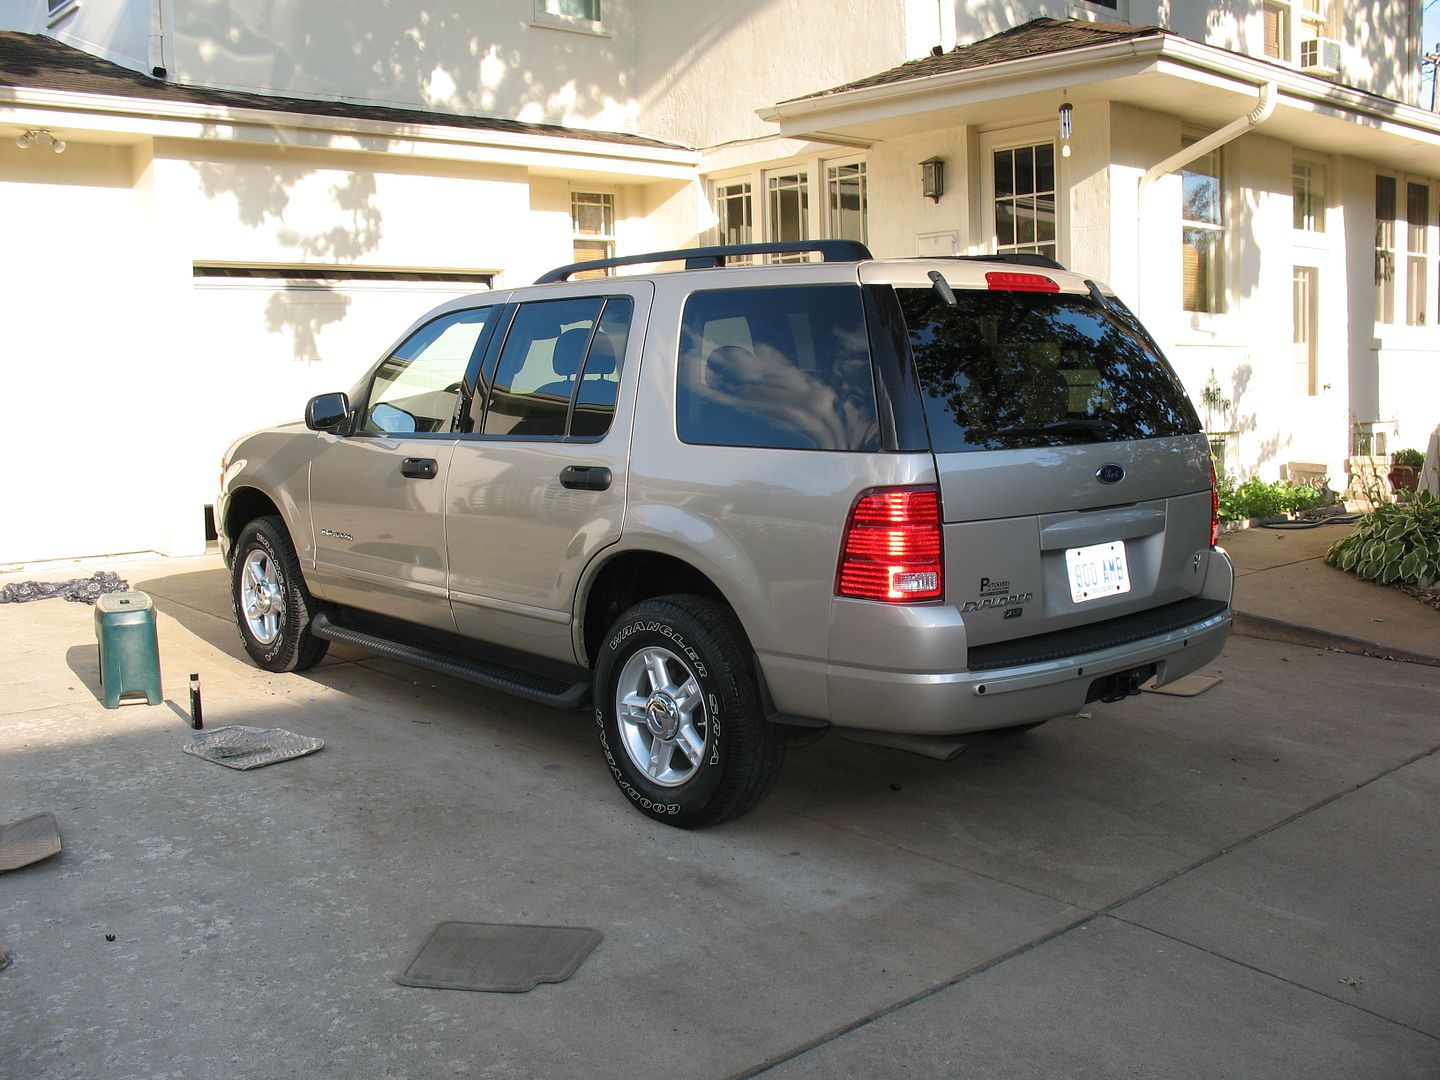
[
  {"x": 1035, "y": 38},
  {"x": 39, "y": 62}
]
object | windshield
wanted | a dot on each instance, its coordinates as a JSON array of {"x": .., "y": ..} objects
[{"x": 1008, "y": 370}]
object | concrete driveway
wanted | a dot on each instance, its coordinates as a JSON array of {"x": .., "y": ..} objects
[{"x": 1242, "y": 884}]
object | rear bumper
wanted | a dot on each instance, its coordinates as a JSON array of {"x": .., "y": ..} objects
[
  {"x": 894, "y": 669},
  {"x": 950, "y": 704}
]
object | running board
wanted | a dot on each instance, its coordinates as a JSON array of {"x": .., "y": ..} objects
[{"x": 556, "y": 693}]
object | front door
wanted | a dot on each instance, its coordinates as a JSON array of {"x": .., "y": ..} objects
[
  {"x": 539, "y": 488},
  {"x": 377, "y": 495}
]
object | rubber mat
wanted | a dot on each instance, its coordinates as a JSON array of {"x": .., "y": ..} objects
[
  {"x": 1186, "y": 686},
  {"x": 240, "y": 747},
  {"x": 28, "y": 841},
  {"x": 498, "y": 958}
]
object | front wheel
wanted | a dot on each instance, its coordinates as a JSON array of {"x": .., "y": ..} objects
[
  {"x": 679, "y": 713},
  {"x": 272, "y": 606}
]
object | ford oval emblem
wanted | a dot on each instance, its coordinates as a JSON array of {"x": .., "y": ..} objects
[{"x": 1110, "y": 474}]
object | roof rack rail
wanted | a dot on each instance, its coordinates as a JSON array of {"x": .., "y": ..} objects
[
  {"x": 1020, "y": 258},
  {"x": 707, "y": 257}
]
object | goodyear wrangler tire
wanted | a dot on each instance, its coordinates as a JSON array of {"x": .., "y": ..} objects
[
  {"x": 679, "y": 712},
  {"x": 271, "y": 604}
]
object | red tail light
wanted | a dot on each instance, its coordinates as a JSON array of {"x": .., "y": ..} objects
[
  {"x": 1214, "y": 509},
  {"x": 1011, "y": 281},
  {"x": 892, "y": 547}
]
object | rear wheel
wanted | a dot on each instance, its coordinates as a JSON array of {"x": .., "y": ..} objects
[
  {"x": 679, "y": 713},
  {"x": 272, "y": 606}
]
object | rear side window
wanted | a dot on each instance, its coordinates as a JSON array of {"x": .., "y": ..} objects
[
  {"x": 1007, "y": 370},
  {"x": 781, "y": 367}
]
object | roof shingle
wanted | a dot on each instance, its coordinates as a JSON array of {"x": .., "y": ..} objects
[{"x": 1035, "y": 38}]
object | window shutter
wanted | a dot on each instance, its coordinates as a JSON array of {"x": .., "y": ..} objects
[{"x": 1272, "y": 30}]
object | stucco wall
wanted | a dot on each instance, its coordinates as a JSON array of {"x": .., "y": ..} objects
[{"x": 705, "y": 68}]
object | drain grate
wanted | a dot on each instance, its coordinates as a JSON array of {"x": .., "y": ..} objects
[
  {"x": 240, "y": 747},
  {"x": 28, "y": 841},
  {"x": 498, "y": 957}
]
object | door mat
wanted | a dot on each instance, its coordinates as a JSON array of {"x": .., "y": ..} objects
[
  {"x": 1186, "y": 686},
  {"x": 240, "y": 747},
  {"x": 28, "y": 841},
  {"x": 498, "y": 958}
]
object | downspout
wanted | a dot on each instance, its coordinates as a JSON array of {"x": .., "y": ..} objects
[
  {"x": 1262, "y": 111},
  {"x": 157, "y": 39}
]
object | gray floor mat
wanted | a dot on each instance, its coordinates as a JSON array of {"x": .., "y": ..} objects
[
  {"x": 499, "y": 958},
  {"x": 240, "y": 747},
  {"x": 28, "y": 841}
]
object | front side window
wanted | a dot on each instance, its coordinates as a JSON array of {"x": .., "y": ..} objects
[
  {"x": 1025, "y": 200},
  {"x": 784, "y": 367},
  {"x": 416, "y": 389},
  {"x": 1012, "y": 370},
  {"x": 845, "y": 199},
  {"x": 1203, "y": 233},
  {"x": 543, "y": 354}
]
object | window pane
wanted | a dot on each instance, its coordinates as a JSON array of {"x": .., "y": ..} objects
[
  {"x": 1417, "y": 216},
  {"x": 1024, "y": 170},
  {"x": 732, "y": 208},
  {"x": 789, "y": 207},
  {"x": 1415, "y": 291},
  {"x": 575, "y": 9},
  {"x": 592, "y": 213},
  {"x": 600, "y": 378},
  {"x": 1202, "y": 261},
  {"x": 779, "y": 367},
  {"x": 1045, "y": 167},
  {"x": 1025, "y": 223},
  {"x": 845, "y": 209},
  {"x": 417, "y": 387},
  {"x": 536, "y": 375},
  {"x": 1004, "y": 173}
]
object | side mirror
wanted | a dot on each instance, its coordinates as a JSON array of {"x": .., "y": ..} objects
[{"x": 327, "y": 412}]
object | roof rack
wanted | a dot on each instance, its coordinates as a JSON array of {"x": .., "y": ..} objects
[
  {"x": 708, "y": 257},
  {"x": 1021, "y": 258}
]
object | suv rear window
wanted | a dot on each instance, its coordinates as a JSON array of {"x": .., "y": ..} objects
[
  {"x": 785, "y": 367},
  {"x": 1008, "y": 370}
]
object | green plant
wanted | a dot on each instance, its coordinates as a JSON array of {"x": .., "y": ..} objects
[
  {"x": 1256, "y": 498},
  {"x": 1410, "y": 458},
  {"x": 1398, "y": 543}
]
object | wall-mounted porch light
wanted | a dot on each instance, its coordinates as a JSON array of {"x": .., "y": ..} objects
[
  {"x": 40, "y": 137},
  {"x": 932, "y": 178}
]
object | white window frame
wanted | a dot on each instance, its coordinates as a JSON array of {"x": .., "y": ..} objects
[
  {"x": 816, "y": 222},
  {"x": 554, "y": 20},
  {"x": 1221, "y": 297},
  {"x": 578, "y": 236},
  {"x": 986, "y": 237},
  {"x": 830, "y": 169},
  {"x": 1419, "y": 255},
  {"x": 1319, "y": 199}
]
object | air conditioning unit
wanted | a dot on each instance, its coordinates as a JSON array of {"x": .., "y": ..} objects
[{"x": 1320, "y": 56}]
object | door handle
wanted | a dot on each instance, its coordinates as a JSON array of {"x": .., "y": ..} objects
[
  {"x": 419, "y": 468},
  {"x": 585, "y": 477}
]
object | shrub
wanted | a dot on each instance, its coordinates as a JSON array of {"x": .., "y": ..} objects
[
  {"x": 1398, "y": 543},
  {"x": 1411, "y": 458},
  {"x": 1256, "y": 498}
]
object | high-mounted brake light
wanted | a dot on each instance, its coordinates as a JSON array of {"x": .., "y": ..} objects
[
  {"x": 1010, "y": 281},
  {"x": 892, "y": 549}
]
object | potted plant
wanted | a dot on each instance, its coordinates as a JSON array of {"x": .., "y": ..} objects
[{"x": 1405, "y": 469}]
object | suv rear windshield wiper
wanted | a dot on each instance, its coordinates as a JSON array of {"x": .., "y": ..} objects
[{"x": 1075, "y": 426}]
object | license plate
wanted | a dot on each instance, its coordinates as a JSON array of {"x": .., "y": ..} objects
[{"x": 1098, "y": 570}]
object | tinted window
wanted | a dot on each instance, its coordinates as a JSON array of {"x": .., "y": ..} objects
[
  {"x": 600, "y": 378},
  {"x": 539, "y": 364},
  {"x": 1002, "y": 370},
  {"x": 417, "y": 387},
  {"x": 781, "y": 367}
]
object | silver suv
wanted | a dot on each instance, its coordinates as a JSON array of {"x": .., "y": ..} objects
[{"x": 909, "y": 497}]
